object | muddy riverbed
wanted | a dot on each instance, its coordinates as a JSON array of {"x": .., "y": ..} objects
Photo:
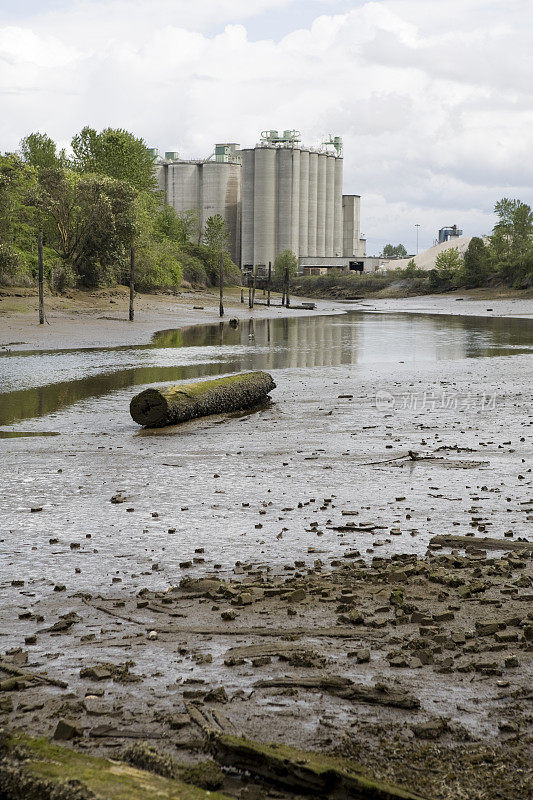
[{"x": 384, "y": 431}]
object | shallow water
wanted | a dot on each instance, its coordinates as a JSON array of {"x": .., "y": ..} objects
[{"x": 37, "y": 383}]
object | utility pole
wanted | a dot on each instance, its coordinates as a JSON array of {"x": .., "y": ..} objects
[
  {"x": 132, "y": 281},
  {"x": 41, "y": 279},
  {"x": 417, "y": 225},
  {"x": 221, "y": 284}
]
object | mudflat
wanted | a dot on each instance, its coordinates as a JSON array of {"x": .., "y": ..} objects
[{"x": 274, "y": 576}]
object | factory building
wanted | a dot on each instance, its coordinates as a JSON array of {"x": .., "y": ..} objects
[{"x": 275, "y": 196}]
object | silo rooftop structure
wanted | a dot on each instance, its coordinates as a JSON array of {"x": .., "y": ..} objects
[{"x": 292, "y": 198}]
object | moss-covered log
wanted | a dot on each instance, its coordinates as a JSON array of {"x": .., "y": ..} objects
[
  {"x": 155, "y": 408},
  {"x": 304, "y": 772}
]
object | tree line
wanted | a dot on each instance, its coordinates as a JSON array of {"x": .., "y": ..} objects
[
  {"x": 92, "y": 206},
  {"x": 503, "y": 257}
]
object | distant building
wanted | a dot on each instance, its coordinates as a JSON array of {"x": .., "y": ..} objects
[{"x": 275, "y": 196}]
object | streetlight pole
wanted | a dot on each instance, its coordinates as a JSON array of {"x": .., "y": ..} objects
[{"x": 417, "y": 225}]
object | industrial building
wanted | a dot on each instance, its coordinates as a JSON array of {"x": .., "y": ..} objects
[{"x": 275, "y": 196}]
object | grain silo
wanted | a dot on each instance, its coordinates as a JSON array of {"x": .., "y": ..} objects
[
  {"x": 313, "y": 203},
  {"x": 278, "y": 195},
  {"x": 321, "y": 206},
  {"x": 206, "y": 187},
  {"x": 303, "y": 213}
]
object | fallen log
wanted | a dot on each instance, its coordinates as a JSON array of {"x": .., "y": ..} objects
[
  {"x": 155, "y": 408},
  {"x": 307, "y": 773}
]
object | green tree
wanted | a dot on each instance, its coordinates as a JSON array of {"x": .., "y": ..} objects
[
  {"x": 40, "y": 151},
  {"x": 88, "y": 221},
  {"x": 216, "y": 234},
  {"x": 446, "y": 272},
  {"x": 285, "y": 260},
  {"x": 511, "y": 242},
  {"x": 476, "y": 266},
  {"x": 17, "y": 219},
  {"x": 158, "y": 236},
  {"x": 116, "y": 153},
  {"x": 392, "y": 251}
]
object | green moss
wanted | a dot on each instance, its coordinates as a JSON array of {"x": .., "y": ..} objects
[
  {"x": 202, "y": 387},
  {"x": 109, "y": 780}
]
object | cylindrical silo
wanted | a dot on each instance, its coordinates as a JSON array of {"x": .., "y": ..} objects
[
  {"x": 330, "y": 204},
  {"x": 321, "y": 205},
  {"x": 285, "y": 174},
  {"x": 221, "y": 194},
  {"x": 295, "y": 203},
  {"x": 303, "y": 222},
  {"x": 265, "y": 205},
  {"x": 312, "y": 207},
  {"x": 337, "y": 222},
  {"x": 247, "y": 220},
  {"x": 183, "y": 186}
]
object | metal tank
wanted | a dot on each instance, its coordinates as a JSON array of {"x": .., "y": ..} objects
[
  {"x": 312, "y": 205},
  {"x": 265, "y": 205},
  {"x": 247, "y": 217},
  {"x": 337, "y": 217},
  {"x": 321, "y": 205},
  {"x": 303, "y": 214},
  {"x": 330, "y": 204}
]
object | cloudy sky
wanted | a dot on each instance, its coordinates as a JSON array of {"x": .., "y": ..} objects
[{"x": 434, "y": 98}]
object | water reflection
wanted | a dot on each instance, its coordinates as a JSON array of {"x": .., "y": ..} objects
[{"x": 206, "y": 350}]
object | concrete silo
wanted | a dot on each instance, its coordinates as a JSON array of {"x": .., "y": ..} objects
[
  {"x": 330, "y": 205},
  {"x": 351, "y": 225},
  {"x": 303, "y": 214},
  {"x": 321, "y": 205},
  {"x": 337, "y": 216},
  {"x": 295, "y": 202},
  {"x": 220, "y": 193},
  {"x": 182, "y": 186},
  {"x": 265, "y": 239},
  {"x": 284, "y": 191},
  {"x": 247, "y": 216},
  {"x": 313, "y": 204}
]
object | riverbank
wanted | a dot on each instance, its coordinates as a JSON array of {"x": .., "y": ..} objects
[{"x": 100, "y": 319}]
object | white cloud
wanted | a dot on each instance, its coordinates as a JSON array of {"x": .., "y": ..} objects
[{"x": 434, "y": 100}]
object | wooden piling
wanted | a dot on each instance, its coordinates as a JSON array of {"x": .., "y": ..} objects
[
  {"x": 269, "y": 281},
  {"x": 254, "y": 284},
  {"x": 287, "y": 291}
]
